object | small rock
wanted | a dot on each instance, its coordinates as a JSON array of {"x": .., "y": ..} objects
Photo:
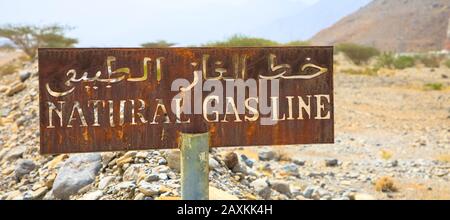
[
  {"x": 56, "y": 161},
  {"x": 2, "y": 90},
  {"x": 249, "y": 162},
  {"x": 231, "y": 160},
  {"x": 24, "y": 75},
  {"x": 15, "y": 153},
  {"x": 262, "y": 188},
  {"x": 162, "y": 161},
  {"x": 173, "y": 159},
  {"x": 142, "y": 154},
  {"x": 132, "y": 172},
  {"x": 107, "y": 157},
  {"x": 127, "y": 158},
  {"x": 291, "y": 169},
  {"x": 139, "y": 196},
  {"x": 213, "y": 164},
  {"x": 39, "y": 193},
  {"x": 152, "y": 177},
  {"x": 15, "y": 88},
  {"x": 148, "y": 189},
  {"x": 92, "y": 195},
  {"x": 127, "y": 186},
  {"x": 24, "y": 167},
  {"x": 77, "y": 172},
  {"x": 281, "y": 187},
  {"x": 266, "y": 155},
  {"x": 394, "y": 163},
  {"x": 331, "y": 162},
  {"x": 299, "y": 162},
  {"x": 106, "y": 181},
  {"x": 308, "y": 192}
]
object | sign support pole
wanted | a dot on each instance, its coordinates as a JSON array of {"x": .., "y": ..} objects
[{"x": 194, "y": 150}]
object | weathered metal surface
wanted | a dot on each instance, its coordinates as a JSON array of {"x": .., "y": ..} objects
[
  {"x": 117, "y": 78},
  {"x": 194, "y": 150}
]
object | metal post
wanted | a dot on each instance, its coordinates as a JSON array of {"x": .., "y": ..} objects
[{"x": 194, "y": 166}]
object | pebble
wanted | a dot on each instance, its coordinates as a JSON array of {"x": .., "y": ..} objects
[
  {"x": 148, "y": 189},
  {"x": 173, "y": 159},
  {"x": 132, "y": 172},
  {"x": 126, "y": 186},
  {"x": 231, "y": 160},
  {"x": 309, "y": 192},
  {"x": 291, "y": 169},
  {"x": 39, "y": 193},
  {"x": 299, "y": 162},
  {"x": 281, "y": 187},
  {"x": 152, "y": 177},
  {"x": 262, "y": 188},
  {"x": 106, "y": 181},
  {"x": 24, "y": 75},
  {"x": 15, "y": 88},
  {"x": 24, "y": 167},
  {"x": 331, "y": 163},
  {"x": 213, "y": 164},
  {"x": 266, "y": 155},
  {"x": 15, "y": 153},
  {"x": 249, "y": 162}
]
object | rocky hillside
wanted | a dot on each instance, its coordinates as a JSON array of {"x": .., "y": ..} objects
[{"x": 393, "y": 25}]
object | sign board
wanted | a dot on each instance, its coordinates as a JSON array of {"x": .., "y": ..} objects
[{"x": 134, "y": 99}]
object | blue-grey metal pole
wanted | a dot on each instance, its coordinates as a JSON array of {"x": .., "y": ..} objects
[{"x": 194, "y": 150}]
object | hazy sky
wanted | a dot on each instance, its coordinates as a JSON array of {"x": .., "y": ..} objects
[{"x": 102, "y": 23}]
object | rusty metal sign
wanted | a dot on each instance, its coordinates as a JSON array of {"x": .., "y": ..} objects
[{"x": 134, "y": 99}]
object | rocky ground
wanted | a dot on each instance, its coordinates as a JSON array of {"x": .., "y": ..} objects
[{"x": 392, "y": 142}]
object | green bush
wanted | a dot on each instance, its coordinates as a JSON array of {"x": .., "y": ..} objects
[
  {"x": 403, "y": 62},
  {"x": 298, "y": 43},
  {"x": 357, "y": 53},
  {"x": 243, "y": 41},
  {"x": 365, "y": 71},
  {"x": 8, "y": 69},
  {"x": 7, "y": 47},
  {"x": 160, "y": 43},
  {"x": 434, "y": 86},
  {"x": 29, "y": 38},
  {"x": 386, "y": 60},
  {"x": 447, "y": 63},
  {"x": 430, "y": 61}
]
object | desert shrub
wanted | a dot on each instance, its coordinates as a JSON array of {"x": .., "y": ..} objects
[
  {"x": 8, "y": 69},
  {"x": 242, "y": 41},
  {"x": 298, "y": 43},
  {"x": 447, "y": 63},
  {"x": 434, "y": 86},
  {"x": 386, "y": 155},
  {"x": 357, "y": 53},
  {"x": 403, "y": 62},
  {"x": 160, "y": 43},
  {"x": 7, "y": 47},
  {"x": 385, "y": 60},
  {"x": 365, "y": 71},
  {"x": 29, "y": 38},
  {"x": 430, "y": 61},
  {"x": 385, "y": 184}
]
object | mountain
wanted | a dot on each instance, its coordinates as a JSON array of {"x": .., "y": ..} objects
[
  {"x": 307, "y": 21},
  {"x": 394, "y": 25}
]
